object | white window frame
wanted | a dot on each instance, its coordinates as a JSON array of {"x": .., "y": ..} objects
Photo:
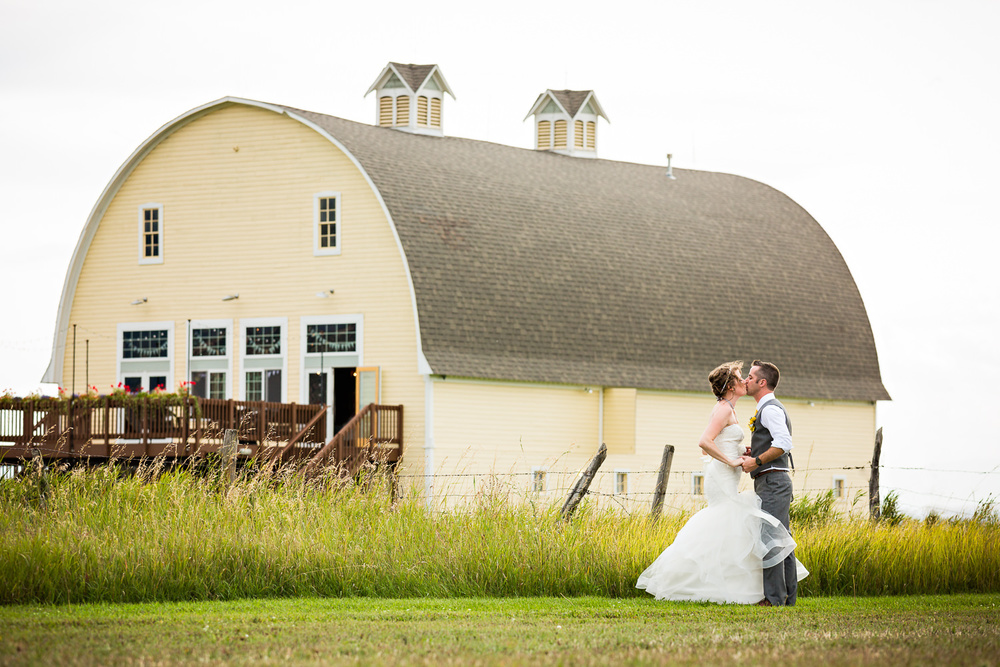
[
  {"x": 843, "y": 486},
  {"x": 543, "y": 478},
  {"x": 142, "y": 240},
  {"x": 359, "y": 327},
  {"x": 628, "y": 481},
  {"x": 695, "y": 476},
  {"x": 145, "y": 326},
  {"x": 317, "y": 250},
  {"x": 277, "y": 361},
  {"x": 230, "y": 345}
]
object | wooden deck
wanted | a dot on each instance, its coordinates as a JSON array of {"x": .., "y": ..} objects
[{"x": 108, "y": 427}]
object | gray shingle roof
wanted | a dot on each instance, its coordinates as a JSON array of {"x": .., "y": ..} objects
[
  {"x": 533, "y": 266},
  {"x": 571, "y": 100},
  {"x": 413, "y": 74}
]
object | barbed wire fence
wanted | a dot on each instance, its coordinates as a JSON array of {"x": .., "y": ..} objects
[{"x": 454, "y": 486}]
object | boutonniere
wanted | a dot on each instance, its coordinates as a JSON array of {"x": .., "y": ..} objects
[{"x": 753, "y": 422}]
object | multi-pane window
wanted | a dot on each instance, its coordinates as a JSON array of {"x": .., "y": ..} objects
[
  {"x": 697, "y": 484},
  {"x": 838, "y": 487},
  {"x": 145, "y": 344},
  {"x": 264, "y": 385},
  {"x": 208, "y": 342},
  {"x": 255, "y": 385},
  {"x": 621, "y": 482},
  {"x": 208, "y": 384},
  {"x": 150, "y": 232},
  {"x": 327, "y": 210},
  {"x": 331, "y": 338},
  {"x": 263, "y": 340},
  {"x": 327, "y": 222},
  {"x": 537, "y": 481}
]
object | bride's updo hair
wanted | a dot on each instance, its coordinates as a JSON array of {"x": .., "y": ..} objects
[{"x": 723, "y": 377}]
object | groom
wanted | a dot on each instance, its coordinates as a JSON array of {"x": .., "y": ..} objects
[{"x": 769, "y": 462}]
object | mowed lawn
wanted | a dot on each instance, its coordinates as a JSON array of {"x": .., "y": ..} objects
[{"x": 916, "y": 630}]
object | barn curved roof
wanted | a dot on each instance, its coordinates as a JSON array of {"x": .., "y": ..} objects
[{"x": 532, "y": 266}]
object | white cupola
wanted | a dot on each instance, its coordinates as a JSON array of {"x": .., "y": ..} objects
[
  {"x": 566, "y": 122},
  {"x": 410, "y": 98}
]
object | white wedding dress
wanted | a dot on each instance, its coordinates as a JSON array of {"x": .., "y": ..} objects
[{"x": 719, "y": 553}]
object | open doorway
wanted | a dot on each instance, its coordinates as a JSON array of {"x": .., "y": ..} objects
[{"x": 344, "y": 397}]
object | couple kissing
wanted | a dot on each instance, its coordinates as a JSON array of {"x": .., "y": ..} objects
[{"x": 738, "y": 549}]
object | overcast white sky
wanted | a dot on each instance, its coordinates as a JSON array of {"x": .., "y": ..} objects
[{"x": 878, "y": 116}]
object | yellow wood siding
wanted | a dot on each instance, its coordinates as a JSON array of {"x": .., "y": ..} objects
[
  {"x": 422, "y": 111},
  {"x": 502, "y": 428},
  {"x": 544, "y": 134},
  {"x": 578, "y": 133},
  {"x": 237, "y": 187},
  {"x": 826, "y": 438},
  {"x": 560, "y": 135},
  {"x": 435, "y": 112},
  {"x": 591, "y": 134},
  {"x": 619, "y": 420}
]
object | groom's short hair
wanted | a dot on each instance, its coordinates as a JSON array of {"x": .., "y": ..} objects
[{"x": 768, "y": 371}]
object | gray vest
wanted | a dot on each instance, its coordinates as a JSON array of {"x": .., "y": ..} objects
[{"x": 761, "y": 440}]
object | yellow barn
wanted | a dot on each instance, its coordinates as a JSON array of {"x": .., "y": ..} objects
[{"x": 523, "y": 306}]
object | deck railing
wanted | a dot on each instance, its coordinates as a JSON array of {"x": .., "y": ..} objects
[
  {"x": 125, "y": 426},
  {"x": 374, "y": 434}
]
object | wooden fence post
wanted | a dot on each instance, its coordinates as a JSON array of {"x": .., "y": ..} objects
[
  {"x": 579, "y": 489},
  {"x": 661, "y": 481},
  {"x": 874, "y": 505},
  {"x": 228, "y": 452}
]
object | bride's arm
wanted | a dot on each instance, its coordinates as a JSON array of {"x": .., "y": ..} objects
[{"x": 707, "y": 443}]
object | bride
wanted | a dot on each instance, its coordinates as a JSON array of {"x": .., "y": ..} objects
[{"x": 719, "y": 554}]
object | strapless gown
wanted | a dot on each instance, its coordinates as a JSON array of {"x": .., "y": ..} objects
[{"x": 719, "y": 553}]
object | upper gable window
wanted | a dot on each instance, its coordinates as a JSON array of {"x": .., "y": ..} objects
[
  {"x": 326, "y": 223},
  {"x": 151, "y": 234}
]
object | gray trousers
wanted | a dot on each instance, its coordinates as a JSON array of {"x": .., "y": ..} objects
[{"x": 781, "y": 582}]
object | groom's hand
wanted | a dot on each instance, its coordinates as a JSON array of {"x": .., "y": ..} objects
[{"x": 749, "y": 465}]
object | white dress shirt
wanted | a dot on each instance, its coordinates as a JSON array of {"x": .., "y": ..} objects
[{"x": 774, "y": 421}]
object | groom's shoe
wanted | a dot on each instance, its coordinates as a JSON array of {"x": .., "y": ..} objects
[{"x": 765, "y": 603}]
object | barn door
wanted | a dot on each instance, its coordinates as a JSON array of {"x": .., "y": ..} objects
[{"x": 367, "y": 387}]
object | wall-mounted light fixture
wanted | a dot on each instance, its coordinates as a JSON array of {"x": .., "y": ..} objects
[
  {"x": 231, "y": 297},
  {"x": 324, "y": 295},
  {"x": 589, "y": 390},
  {"x": 139, "y": 301}
]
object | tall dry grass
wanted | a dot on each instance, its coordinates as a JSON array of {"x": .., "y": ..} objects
[{"x": 103, "y": 534}]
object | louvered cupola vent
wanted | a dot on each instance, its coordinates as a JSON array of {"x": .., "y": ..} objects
[
  {"x": 566, "y": 122},
  {"x": 409, "y": 98}
]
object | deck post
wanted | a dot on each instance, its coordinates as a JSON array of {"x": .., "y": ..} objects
[{"x": 661, "y": 481}]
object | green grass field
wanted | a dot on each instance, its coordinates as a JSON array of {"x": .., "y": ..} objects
[
  {"x": 883, "y": 631},
  {"x": 101, "y": 535}
]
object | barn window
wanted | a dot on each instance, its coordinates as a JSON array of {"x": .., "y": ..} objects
[
  {"x": 208, "y": 342},
  {"x": 338, "y": 337},
  {"x": 621, "y": 482},
  {"x": 151, "y": 234},
  {"x": 146, "y": 344},
  {"x": 697, "y": 484},
  {"x": 263, "y": 340},
  {"x": 538, "y": 480},
  {"x": 326, "y": 223},
  {"x": 838, "y": 487}
]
